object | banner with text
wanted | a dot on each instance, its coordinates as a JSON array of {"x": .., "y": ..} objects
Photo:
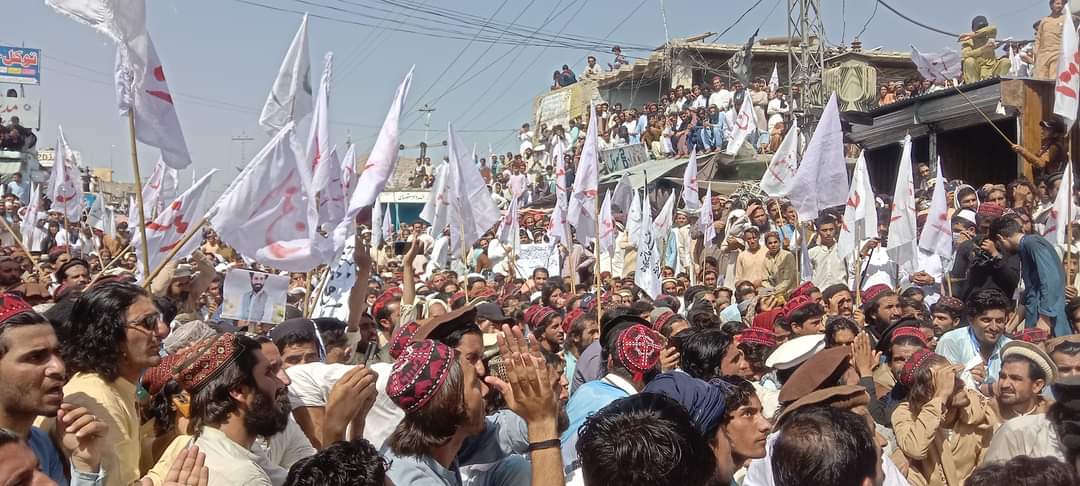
[
  {"x": 26, "y": 108},
  {"x": 20, "y": 65},
  {"x": 616, "y": 159}
]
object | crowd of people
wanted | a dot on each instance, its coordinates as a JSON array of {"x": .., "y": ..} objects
[{"x": 768, "y": 356}]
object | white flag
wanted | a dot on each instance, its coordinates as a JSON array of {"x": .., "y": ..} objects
[
  {"x": 377, "y": 235},
  {"x": 507, "y": 233},
  {"x": 318, "y": 142},
  {"x": 472, "y": 210},
  {"x": 806, "y": 267},
  {"x": 332, "y": 197},
  {"x": 940, "y": 67},
  {"x": 387, "y": 228},
  {"x": 384, "y": 155},
  {"x": 581, "y": 210},
  {"x": 936, "y": 237},
  {"x": 31, "y": 234},
  {"x": 166, "y": 231},
  {"x": 557, "y": 228},
  {"x": 743, "y": 125},
  {"x": 1067, "y": 85},
  {"x": 65, "y": 184},
  {"x": 1057, "y": 223},
  {"x": 160, "y": 189},
  {"x": 118, "y": 19},
  {"x": 99, "y": 215},
  {"x": 143, "y": 91},
  {"x": 624, "y": 194},
  {"x": 774, "y": 80},
  {"x": 778, "y": 176},
  {"x": 348, "y": 171},
  {"x": 647, "y": 273},
  {"x": 902, "y": 240},
  {"x": 290, "y": 97},
  {"x": 705, "y": 219},
  {"x": 860, "y": 214},
  {"x": 1016, "y": 64},
  {"x": 690, "y": 187},
  {"x": 665, "y": 219},
  {"x": 437, "y": 209},
  {"x": 265, "y": 214},
  {"x": 821, "y": 180},
  {"x": 634, "y": 219},
  {"x": 607, "y": 226}
]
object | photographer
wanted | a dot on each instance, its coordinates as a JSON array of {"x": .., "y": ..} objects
[{"x": 981, "y": 264}]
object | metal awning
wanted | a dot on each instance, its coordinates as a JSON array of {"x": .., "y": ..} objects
[
  {"x": 943, "y": 111},
  {"x": 655, "y": 169}
]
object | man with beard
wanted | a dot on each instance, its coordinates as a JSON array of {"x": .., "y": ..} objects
[
  {"x": 73, "y": 273},
  {"x": 182, "y": 285},
  {"x": 31, "y": 385},
  {"x": 253, "y": 303},
  {"x": 881, "y": 306},
  {"x": 235, "y": 398},
  {"x": 10, "y": 273},
  {"x": 444, "y": 426},
  {"x": 1025, "y": 371}
]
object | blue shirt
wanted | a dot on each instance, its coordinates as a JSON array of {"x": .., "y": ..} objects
[
  {"x": 1044, "y": 284},
  {"x": 960, "y": 346},
  {"x": 585, "y": 401},
  {"x": 52, "y": 465}
]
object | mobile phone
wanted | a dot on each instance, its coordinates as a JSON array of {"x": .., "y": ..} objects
[
  {"x": 400, "y": 247},
  {"x": 371, "y": 350}
]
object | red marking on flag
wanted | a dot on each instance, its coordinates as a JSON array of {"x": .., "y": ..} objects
[
  {"x": 159, "y": 74},
  {"x": 163, "y": 95}
]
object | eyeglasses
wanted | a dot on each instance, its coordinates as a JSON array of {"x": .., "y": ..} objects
[{"x": 148, "y": 323}]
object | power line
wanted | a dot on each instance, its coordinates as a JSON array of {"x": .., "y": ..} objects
[
  {"x": 868, "y": 20},
  {"x": 916, "y": 22},
  {"x": 739, "y": 19}
]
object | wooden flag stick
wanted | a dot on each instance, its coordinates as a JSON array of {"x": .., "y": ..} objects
[
  {"x": 110, "y": 264},
  {"x": 987, "y": 118},
  {"x": 172, "y": 254},
  {"x": 19, "y": 240},
  {"x": 139, "y": 198},
  {"x": 596, "y": 257},
  {"x": 313, "y": 299}
]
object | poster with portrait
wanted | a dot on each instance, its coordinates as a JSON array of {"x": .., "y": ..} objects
[{"x": 254, "y": 296}]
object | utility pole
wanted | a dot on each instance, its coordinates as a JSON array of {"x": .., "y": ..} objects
[
  {"x": 243, "y": 139},
  {"x": 427, "y": 111},
  {"x": 806, "y": 59}
]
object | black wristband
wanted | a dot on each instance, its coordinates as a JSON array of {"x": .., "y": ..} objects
[{"x": 546, "y": 444}]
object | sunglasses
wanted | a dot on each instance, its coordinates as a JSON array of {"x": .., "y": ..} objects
[{"x": 148, "y": 323}]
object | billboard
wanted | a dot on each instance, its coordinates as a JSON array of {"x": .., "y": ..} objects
[
  {"x": 26, "y": 108},
  {"x": 20, "y": 65}
]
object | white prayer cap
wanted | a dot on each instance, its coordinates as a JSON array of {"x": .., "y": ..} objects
[
  {"x": 795, "y": 351},
  {"x": 966, "y": 214}
]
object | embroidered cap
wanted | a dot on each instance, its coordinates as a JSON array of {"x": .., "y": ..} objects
[
  {"x": 12, "y": 305},
  {"x": 638, "y": 349},
  {"x": 419, "y": 373},
  {"x": 913, "y": 365},
  {"x": 206, "y": 361}
]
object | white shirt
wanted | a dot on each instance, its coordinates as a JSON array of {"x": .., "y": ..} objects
[
  {"x": 829, "y": 266},
  {"x": 699, "y": 102},
  {"x": 229, "y": 462},
  {"x": 721, "y": 99}
]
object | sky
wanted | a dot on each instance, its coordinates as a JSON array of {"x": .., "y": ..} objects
[{"x": 221, "y": 56}]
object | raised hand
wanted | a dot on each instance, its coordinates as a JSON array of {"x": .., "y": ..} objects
[
  {"x": 351, "y": 397},
  {"x": 82, "y": 436},
  {"x": 529, "y": 393},
  {"x": 188, "y": 469},
  {"x": 863, "y": 356}
]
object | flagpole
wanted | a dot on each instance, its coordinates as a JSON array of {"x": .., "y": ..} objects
[
  {"x": 310, "y": 307},
  {"x": 139, "y": 198},
  {"x": 18, "y": 239},
  {"x": 465, "y": 260},
  {"x": 111, "y": 263},
  {"x": 172, "y": 254},
  {"x": 988, "y": 120},
  {"x": 599, "y": 285}
]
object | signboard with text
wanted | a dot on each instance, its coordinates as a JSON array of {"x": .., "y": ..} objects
[
  {"x": 26, "y": 108},
  {"x": 616, "y": 159},
  {"x": 20, "y": 65}
]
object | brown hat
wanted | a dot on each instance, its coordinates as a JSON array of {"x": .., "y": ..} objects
[
  {"x": 207, "y": 361},
  {"x": 843, "y": 396},
  {"x": 815, "y": 373},
  {"x": 440, "y": 327}
]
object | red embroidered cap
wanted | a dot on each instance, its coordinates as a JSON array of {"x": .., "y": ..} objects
[
  {"x": 419, "y": 373},
  {"x": 12, "y": 305},
  {"x": 908, "y": 331},
  {"x": 206, "y": 361},
  {"x": 401, "y": 338},
  {"x": 913, "y": 365},
  {"x": 638, "y": 349}
]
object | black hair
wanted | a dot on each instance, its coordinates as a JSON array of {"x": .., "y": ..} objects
[
  {"x": 968, "y": 224},
  {"x": 732, "y": 328},
  {"x": 739, "y": 395},
  {"x": 797, "y": 458},
  {"x": 549, "y": 289},
  {"x": 436, "y": 422},
  {"x": 60, "y": 311},
  {"x": 161, "y": 409},
  {"x": 1035, "y": 372},
  {"x": 701, "y": 351},
  {"x": 939, "y": 307},
  {"x": 353, "y": 463},
  {"x": 166, "y": 307},
  {"x": 644, "y": 439},
  {"x": 832, "y": 290},
  {"x": 60, "y": 273},
  {"x": 294, "y": 338},
  {"x": 801, "y": 315},
  {"x": 384, "y": 311},
  {"x": 1005, "y": 227},
  {"x": 1023, "y": 471},
  {"x": 91, "y": 337},
  {"x": 983, "y": 300},
  {"x": 910, "y": 291},
  {"x": 29, "y": 318},
  {"x": 212, "y": 402},
  {"x": 837, "y": 324},
  {"x": 540, "y": 269}
]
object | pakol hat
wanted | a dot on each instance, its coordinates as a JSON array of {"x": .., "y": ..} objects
[{"x": 795, "y": 352}]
